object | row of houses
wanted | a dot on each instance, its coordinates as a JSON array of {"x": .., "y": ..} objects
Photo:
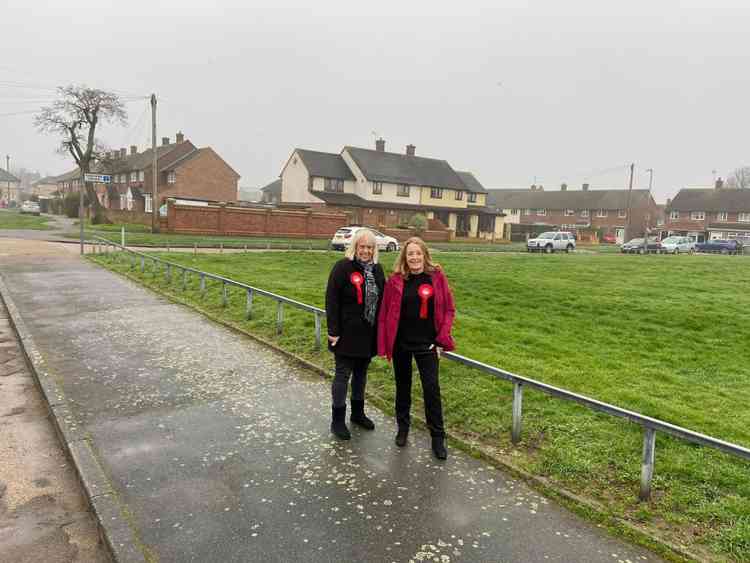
[{"x": 10, "y": 188}]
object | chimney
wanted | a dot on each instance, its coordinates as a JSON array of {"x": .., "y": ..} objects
[
  {"x": 719, "y": 183},
  {"x": 179, "y": 138},
  {"x": 585, "y": 187},
  {"x": 133, "y": 149},
  {"x": 533, "y": 187},
  {"x": 669, "y": 202},
  {"x": 165, "y": 141},
  {"x": 540, "y": 188},
  {"x": 410, "y": 150},
  {"x": 123, "y": 153},
  {"x": 380, "y": 145},
  {"x": 563, "y": 187}
]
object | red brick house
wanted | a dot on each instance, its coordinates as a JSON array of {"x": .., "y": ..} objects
[
  {"x": 710, "y": 213},
  {"x": 183, "y": 170},
  {"x": 608, "y": 211}
]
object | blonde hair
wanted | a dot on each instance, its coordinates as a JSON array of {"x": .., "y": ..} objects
[
  {"x": 351, "y": 252},
  {"x": 402, "y": 267}
]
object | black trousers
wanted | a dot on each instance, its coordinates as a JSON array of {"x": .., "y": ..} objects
[
  {"x": 427, "y": 364},
  {"x": 347, "y": 367}
]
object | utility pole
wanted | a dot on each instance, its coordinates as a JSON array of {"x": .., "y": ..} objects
[
  {"x": 7, "y": 169},
  {"x": 81, "y": 186},
  {"x": 154, "y": 171},
  {"x": 630, "y": 208},
  {"x": 647, "y": 217}
]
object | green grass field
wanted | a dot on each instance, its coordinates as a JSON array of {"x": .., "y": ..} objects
[
  {"x": 667, "y": 336},
  {"x": 12, "y": 219}
]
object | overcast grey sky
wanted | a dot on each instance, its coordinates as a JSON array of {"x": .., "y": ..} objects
[{"x": 561, "y": 91}]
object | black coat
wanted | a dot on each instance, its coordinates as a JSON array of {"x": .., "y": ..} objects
[{"x": 346, "y": 317}]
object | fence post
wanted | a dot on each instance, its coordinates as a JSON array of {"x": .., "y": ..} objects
[
  {"x": 647, "y": 463},
  {"x": 132, "y": 261},
  {"x": 249, "y": 305},
  {"x": 280, "y": 317},
  {"x": 122, "y": 236},
  {"x": 203, "y": 284},
  {"x": 143, "y": 264},
  {"x": 221, "y": 248},
  {"x": 224, "y": 293},
  {"x": 169, "y": 273},
  {"x": 317, "y": 330},
  {"x": 515, "y": 434},
  {"x": 195, "y": 248},
  {"x": 184, "y": 279}
]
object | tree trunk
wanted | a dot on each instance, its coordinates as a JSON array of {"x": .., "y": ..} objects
[{"x": 98, "y": 216}]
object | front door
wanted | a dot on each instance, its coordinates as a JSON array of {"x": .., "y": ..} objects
[{"x": 619, "y": 236}]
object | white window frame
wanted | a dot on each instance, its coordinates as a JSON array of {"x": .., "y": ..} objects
[
  {"x": 459, "y": 195},
  {"x": 622, "y": 213},
  {"x": 402, "y": 190},
  {"x": 542, "y": 212},
  {"x": 129, "y": 200},
  {"x": 377, "y": 188},
  {"x": 436, "y": 193},
  {"x": 743, "y": 217},
  {"x": 140, "y": 175},
  {"x": 171, "y": 177},
  {"x": 674, "y": 215},
  {"x": 134, "y": 176},
  {"x": 570, "y": 212},
  {"x": 697, "y": 215},
  {"x": 123, "y": 201},
  {"x": 601, "y": 213},
  {"x": 472, "y": 197},
  {"x": 147, "y": 203},
  {"x": 584, "y": 212},
  {"x": 722, "y": 216}
]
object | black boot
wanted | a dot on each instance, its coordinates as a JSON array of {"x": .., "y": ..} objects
[
  {"x": 401, "y": 436},
  {"x": 359, "y": 417},
  {"x": 338, "y": 423},
  {"x": 438, "y": 447}
]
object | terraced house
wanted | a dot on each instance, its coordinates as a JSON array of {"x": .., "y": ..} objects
[
  {"x": 605, "y": 211},
  {"x": 386, "y": 189},
  {"x": 710, "y": 213},
  {"x": 183, "y": 170}
]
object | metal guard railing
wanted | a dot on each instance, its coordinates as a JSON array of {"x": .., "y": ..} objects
[{"x": 650, "y": 425}]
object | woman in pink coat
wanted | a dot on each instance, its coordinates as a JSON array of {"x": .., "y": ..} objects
[{"x": 415, "y": 321}]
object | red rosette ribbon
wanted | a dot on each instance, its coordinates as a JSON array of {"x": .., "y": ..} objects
[
  {"x": 357, "y": 280},
  {"x": 424, "y": 291}
]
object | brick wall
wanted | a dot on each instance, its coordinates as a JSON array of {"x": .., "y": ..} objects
[{"x": 242, "y": 221}]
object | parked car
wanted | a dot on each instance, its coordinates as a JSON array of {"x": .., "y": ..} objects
[
  {"x": 343, "y": 238},
  {"x": 637, "y": 246},
  {"x": 609, "y": 238},
  {"x": 677, "y": 244},
  {"x": 551, "y": 241},
  {"x": 30, "y": 208},
  {"x": 730, "y": 246}
]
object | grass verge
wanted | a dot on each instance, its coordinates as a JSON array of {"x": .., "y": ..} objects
[{"x": 12, "y": 219}]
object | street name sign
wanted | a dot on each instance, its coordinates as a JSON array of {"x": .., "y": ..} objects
[{"x": 98, "y": 178}]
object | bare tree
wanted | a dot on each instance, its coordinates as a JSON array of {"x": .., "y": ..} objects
[
  {"x": 74, "y": 117},
  {"x": 740, "y": 178}
]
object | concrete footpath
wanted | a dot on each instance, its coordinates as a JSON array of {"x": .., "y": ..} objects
[{"x": 198, "y": 444}]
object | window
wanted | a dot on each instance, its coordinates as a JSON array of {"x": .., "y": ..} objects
[
  {"x": 147, "y": 203},
  {"x": 541, "y": 212},
  {"x": 674, "y": 215},
  {"x": 569, "y": 212},
  {"x": 123, "y": 201},
  {"x": 527, "y": 211},
  {"x": 333, "y": 185},
  {"x": 310, "y": 183},
  {"x": 171, "y": 177},
  {"x": 743, "y": 217},
  {"x": 601, "y": 213},
  {"x": 129, "y": 200},
  {"x": 472, "y": 198},
  {"x": 377, "y": 188},
  {"x": 697, "y": 215},
  {"x": 622, "y": 213},
  {"x": 584, "y": 212},
  {"x": 721, "y": 216},
  {"x": 402, "y": 190},
  {"x": 436, "y": 193},
  {"x": 459, "y": 195},
  {"x": 514, "y": 211},
  {"x": 134, "y": 176},
  {"x": 140, "y": 175}
]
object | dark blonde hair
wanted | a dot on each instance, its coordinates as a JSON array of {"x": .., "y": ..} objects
[{"x": 402, "y": 267}]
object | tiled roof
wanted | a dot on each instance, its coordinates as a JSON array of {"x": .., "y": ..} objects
[
  {"x": 471, "y": 183},
  {"x": 724, "y": 199},
  {"x": 274, "y": 188},
  {"x": 396, "y": 168},
  {"x": 325, "y": 164},
  {"x": 568, "y": 199},
  {"x": 7, "y": 177}
]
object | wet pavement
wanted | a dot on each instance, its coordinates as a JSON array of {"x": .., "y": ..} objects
[{"x": 217, "y": 447}]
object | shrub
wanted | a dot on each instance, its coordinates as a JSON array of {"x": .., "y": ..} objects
[{"x": 418, "y": 222}]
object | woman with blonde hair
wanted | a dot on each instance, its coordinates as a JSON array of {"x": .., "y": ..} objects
[
  {"x": 353, "y": 296},
  {"x": 415, "y": 321}
]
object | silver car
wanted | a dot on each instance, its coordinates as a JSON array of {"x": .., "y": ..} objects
[
  {"x": 677, "y": 244},
  {"x": 553, "y": 240}
]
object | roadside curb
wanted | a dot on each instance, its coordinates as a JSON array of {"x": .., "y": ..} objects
[
  {"x": 587, "y": 508},
  {"x": 115, "y": 531}
]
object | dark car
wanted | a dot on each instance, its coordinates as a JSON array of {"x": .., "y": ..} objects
[
  {"x": 636, "y": 246},
  {"x": 720, "y": 246}
]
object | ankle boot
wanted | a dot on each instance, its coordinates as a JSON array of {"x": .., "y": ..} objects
[
  {"x": 338, "y": 423},
  {"x": 438, "y": 447},
  {"x": 359, "y": 417},
  {"x": 401, "y": 436}
]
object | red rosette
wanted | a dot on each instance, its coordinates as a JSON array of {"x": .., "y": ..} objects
[
  {"x": 357, "y": 280},
  {"x": 424, "y": 291}
]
